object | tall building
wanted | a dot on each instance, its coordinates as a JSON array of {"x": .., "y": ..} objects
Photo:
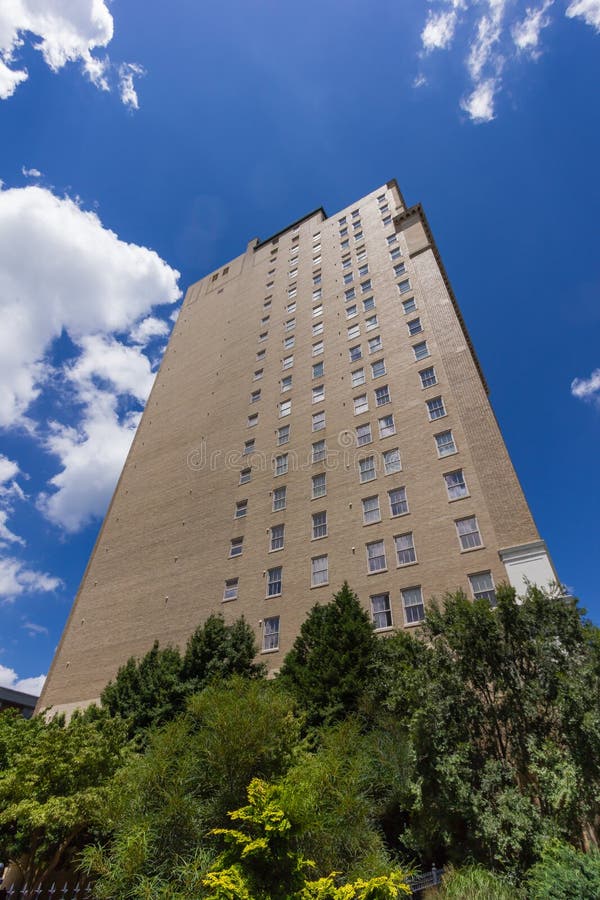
[{"x": 319, "y": 415}]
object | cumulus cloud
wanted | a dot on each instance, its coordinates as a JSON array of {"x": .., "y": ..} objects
[
  {"x": 526, "y": 33},
  {"x": 439, "y": 30},
  {"x": 587, "y": 388},
  {"x": 9, "y": 491},
  {"x": 588, "y": 10},
  {"x": 10, "y": 679},
  {"x": 480, "y": 103},
  {"x": 126, "y": 369},
  {"x": 64, "y": 32},
  {"x": 31, "y": 173},
  {"x": 16, "y": 578},
  {"x": 127, "y": 72},
  {"x": 150, "y": 328}
]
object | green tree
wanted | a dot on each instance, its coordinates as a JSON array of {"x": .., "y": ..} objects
[
  {"x": 564, "y": 873},
  {"x": 217, "y": 651},
  {"x": 329, "y": 664}
]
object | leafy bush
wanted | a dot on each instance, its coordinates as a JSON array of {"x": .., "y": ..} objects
[{"x": 564, "y": 873}]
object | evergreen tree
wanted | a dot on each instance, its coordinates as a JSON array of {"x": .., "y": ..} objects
[{"x": 218, "y": 651}]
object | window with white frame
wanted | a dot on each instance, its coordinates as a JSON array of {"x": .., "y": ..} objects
[
  {"x": 263, "y": 336},
  {"x": 404, "y": 286},
  {"x": 350, "y": 294},
  {"x": 412, "y": 602},
  {"x": 395, "y": 253},
  {"x": 287, "y": 362},
  {"x": 317, "y": 294},
  {"x": 230, "y": 590},
  {"x": 316, "y": 260},
  {"x": 405, "y": 549},
  {"x": 291, "y": 307},
  {"x": 317, "y": 311},
  {"x": 428, "y": 377},
  {"x": 391, "y": 461},
  {"x": 468, "y": 532},
  {"x": 249, "y": 447},
  {"x": 456, "y": 485},
  {"x": 317, "y": 348},
  {"x": 317, "y": 328},
  {"x": 292, "y": 274},
  {"x": 363, "y": 434},
  {"x": 358, "y": 377},
  {"x": 252, "y": 420},
  {"x": 361, "y": 404},
  {"x": 355, "y": 353},
  {"x": 368, "y": 304},
  {"x": 348, "y": 278},
  {"x": 281, "y": 464},
  {"x": 482, "y": 586},
  {"x": 376, "y": 561},
  {"x": 375, "y": 344},
  {"x": 286, "y": 384},
  {"x": 241, "y": 509},
  {"x": 292, "y": 291},
  {"x": 392, "y": 239},
  {"x": 245, "y": 475},
  {"x": 258, "y": 375},
  {"x": 378, "y": 368},
  {"x": 363, "y": 270},
  {"x": 366, "y": 286},
  {"x": 421, "y": 350},
  {"x": 361, "y": 255},
  {"x": 318, "y": 393},
  {"x": 283, "y": 435},
  {"x": 276, "y": 537},
  {"x": 370, "y": 509},
  {"x": 319, "y": 570},
  {"x": 366, "y": 469},
  {"x": 346, "y": 262},
  {"x": 319, "y": 485},
  {"x": 351, "y": 311},
  {"x": 387, "y": 426},
  {"x": 398, "y": 502},
  {"x": 279, "y": 498},
  {"x": 343, "y": 232},
  {"x": 382, "y": 395},
  {"x": 318, "y": 369},
  {"x": 353, "y": 331},
  {"x": 342, "y": 221},
  {"x": 289, "y": 342},
  {"x": 285, "y": 408},
  {"x": 445, "y": 444},
  {"x": 319, "y": 451},
  {"x": 345, "y": 244},
  {"x": 319, "y": 525},
  {"x": 318, "y": 420},
  {"x": 290, "y": 324},
  {"x": 435, "y": 408},
  {"x": 371, "y": 323},
  {"x": 399, "y": 270},
  {"x": 274, "y": 581},
  {"x": 355, "y": 213},
  {"x": 414, "y": 327},
  {"x": 381, "y": 611},
  {"x": 236, "y": 546}
]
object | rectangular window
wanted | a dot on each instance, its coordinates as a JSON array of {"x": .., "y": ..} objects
[
  {"x": 241, "y": 509},
  {"x": 414, "y": 327},
  {"x": 358, "y": 377},
  {"x": 262, "y": 337},
  {"x": 348, "y": 278},
  {"x": 318, "y": 393},
  {"x": 230, "y": 591},
  {"x": 289, "y": 342},
  {"x": 292, "y": 274},
  {"x": 317, "y": 328},
  {"x": 376, "y": 561},
  {"x": 361, "y": 404},
  {"x": 318, "y": 293},
  {"x": 319, "y": 570},
  {"x": 258, "y": 375},
  {"x": 421, "y": 350},
  {"x": 409, "y": 305},
  {"x": 353, "y": 331},
  {"x": 318, "y": 369},
  {"x": 287, "y": 362},
  {"x": 371, "y": 511},
  {"x": 355, "y": 213},
  {"x": 355, "y": 353},
  {"x": 387, "y": 426},
  {"x": 358, "y": 237},
  {"x": 363, "y": 270},
  {"x": 319, "y": 485},
  {"x": 405, "y": 549},
  {"x": 428, "y": 377},
  {"x": 378, "y": 368},
  {"x": 395, "y": 253},
  {"x": 381, "y": 611},
  {"x": 319, "y": 451},
  {"x": 279, "y": 497},
  {"x": 482, "y": 586},
  {"x": 350, "y": 294},
  {"x": 236, "y": 546},
  {"x": 366, "y": 468},
  {"x": 274, "y": 581},
  {"x": 468, "y": 533},
  {"x": 276, "y": 542},
  {"x": 445, "y": 443},
  {"x": 412, "y": 601},
  {"x": 391, "y": 461},
  {"x": 436, "y": 409},
  {"x": 264, "y": 320},
  {"x": 290, "y": 324},
  {"x": 345, "y": 244},
  {"x": 387, "y": 220},
  {"x": 351, "y": 311},
  {"x": 316, "y": 260},
  {"x": 317, "y": 311},
  {"x": 291, "y": 307},
  {"x": 343, "y": 232},
  {"x": 399, "y": 270},
  {"x": 404, "y": 286},
  {"x": 375, "y": 344},
  {"x": 281, "y": 464},
  {"x": 398, "y": 502},
  {"x": 249, "y": 447},
  {"x": 391, "y": 239},
  {"x": 368, "y": 304},
  {"x": 286, "y": 384},
  {"x": 382, "y": 395},
  {"x": 342, "y": 221},
  {"x": 292, "y": 291},
  {"x": 245, "y": 476},
  {"x": 261, "y": 355},
  {"x": 346, "y": 262},
  {"x": 253, "y": 420},
  {"x": 285, "y": 408},
  {"x": 361, "y": 255},
  {"x": 363, "y": 434},
  {"x": 371, "y": 323},
  {"x": 283, "y": 435},
  {"x": 319, "y": 525},
  {"x": 317, "y": 348},
  {"x": 318, "y": 421},
  {"x": 365, "y": 286},
  {"x": 456, "y": 485}
]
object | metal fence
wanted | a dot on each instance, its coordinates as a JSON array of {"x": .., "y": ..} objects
[
  {"x": 427, "y": 880},
  {"x": 67, "y": 892}
]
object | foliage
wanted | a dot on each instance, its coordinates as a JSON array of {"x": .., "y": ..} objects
[
  {"x": 474, "y": 883},
  {"x": 564, "y": 873},
  {"x": 217, "y": 651},
  {"x": 53, "y": 777},
  {"x": 328, "y": 666}
]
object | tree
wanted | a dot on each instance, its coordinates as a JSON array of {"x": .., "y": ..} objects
[
  {"x": 328, "y": 666},
  {"x": 217, "y": 651},
  {"x": 564, "y": 873},
  {"x": 53, "y": 777}
]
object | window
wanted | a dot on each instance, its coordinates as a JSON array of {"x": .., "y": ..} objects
[
  {"x": 399, "y": 270},
  {"x": 353, "y": 331},
  {"x": 241, "y": 509},
  {"x": 371, "y": 323},
  {"x": 318, "y": 421},
  {"x": 342, "y": 221},
  {"x": 264, "y": 320},
  {"x": 351, "y": 311},
  {"x": 318, "y": 369},
  {"x": 290, "y": 324},
  {"x": 363, "y": 434},
  {"x": 468, "y": 533},
  {"x": 318, "y": 393},
  {"x": 381, "y": 198},
  {"x": 230, "y": 591},
  {"x": 371, "y": 511},
  {"x": 258, "y": 375},
  {"x": 317, "y": 311},
  {"x": 355, "y": 213},
  {"x": 274, "y": 581},
  {"x": 292, "y": 274},
  {"x": 355, "y": 353},
  {"x": 286, "y": 384},
  {"x": 368, "y": 304},
  {"x": 386, "y": 426},
  {"x": 319, "y": 525},
  {"x": 381, "y": 611},
  {"x": 289, "y": 342},
  {"x": 287, "y": 362},
  {"x": 382, "y": 395},
  {"x": 395, "y": 253},
  {"x": 421, "y": 350},
  {"x": 376, "y": 561},
  {"x": 276, "y": 542},
  {"x": 319, "y": 571},
  {"x": 319, "y": 451},
  {"x": 366, "y": 468},
  {"x": 350, "y": 294},
  {"x": 391, "y": 461},
  {"x": 281, "y": 464},
  {"x": 253, "y": 420},
  {"x": 414, "y": 327},
  {"x": 271, "y": 634},
  {"x": 317, "y": 294},
  {"x": 391, "y": 239},
  {"x": 404, "y": 286},
  {"x": 236, "y": 547},
  {"x": 292, "y": 291},
  {"x": 279, "y": 498},
  {"x": 263, "y": 336},
  {"x": 261, "y": 355},
  {"x": 412, "y": 601},
  {"x": 436, "y": 409},
  {"x": 378, "y": 368},
  {"x": 348, "y": 278},
  {"x": 363, "y": 270},
  {"x": 319, "y": 485},
  {"x": 245, "y": 475},
  {"x": 366, "y": 286},
  {"x": 375, "y": 344},
  {"x": 358, "y": 377},
  {"x": 445, "y": 443},
  {"x": 317, "y": 328},
  {"x": 346, "y": 262},
  {"x": 285, "y": 408},
  {"x": 384, "y": 208},
  {"x": 343, "y": 232},
  {"x": 409, "y": 305},
  {"x": 317, "y": 348},
  {"x": 387, "y": 220},
  {"x": 405, "y": 549},
  {"x": 283, "y": 435},
  {"x": 255, "y": 396},
  {"x": 345, "y": 244},
  {"x": 428, "y": 377},
  {"x": 291, "y": 307},
  {"x": 398, "y": 502},
  {"x": 482, "y": 586},
  {"x": 361, "y": 254},
  {"x": 316, "y": 260},
  {"x": 456, "y": 485},
  {"x": 248, "y": 447},
  {"x": 361, "y": 404},
  {"x": 358, "y": 237}
]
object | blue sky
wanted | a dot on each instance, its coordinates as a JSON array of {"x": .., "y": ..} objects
[{"x": 144, "y": 144}]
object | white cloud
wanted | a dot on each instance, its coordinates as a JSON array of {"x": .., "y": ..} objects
[
  {"x": 587, "y": 388},
  {"x": 126, "y": 369},
  {"x": 588, "y": 10},
  {"x": 151, "y": 327},
  {"x": 8, "y": 469},
  {"x": 10, "y": 679},
  {"x": 480, "y": 103},
  {"x": 34, "y": 630},
  {"x": 526, "y": 33},
  {"x": 16, "y": 579},
  {"x": 31, "y": 173},
  {"x": 439, "y": 30},
  {"x": 62, "y": 270},
  {"x": 10, "y": 79},
  {"x": 9, "y": 491},
  {"x": 127, "y": 72}
]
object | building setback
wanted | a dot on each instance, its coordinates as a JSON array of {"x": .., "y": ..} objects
[{"x": 319, "y": 415}]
